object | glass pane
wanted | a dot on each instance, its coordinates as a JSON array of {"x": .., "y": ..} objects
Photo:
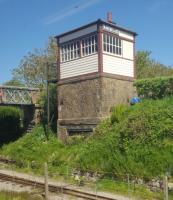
[
  {"x": 89, "y": 39},
  {"x": 111, "y": 38},
  {"x": 65, "y": 57},
  {"x": 93, "y": 49},
  {"x": 120, "y": 51},
  {"x": 108, "y": 39},
  {"x": 89, "y": 49},
  {"x": 117, "y": 42},
  {"x": 114, "y": 49},
  {"x": 117, "y": 50},
  {"x": 83, "y": 43},
  {"x": 86, "y": 51},
  {"x": 95, "y": 38},
  {"x": 78, "y": 53},
  {"x": 110, "y": 48},
  {"x": 114, "y": 40},
  {"x": 78, "y": 44},
  {"x": 104, "y": 37}
]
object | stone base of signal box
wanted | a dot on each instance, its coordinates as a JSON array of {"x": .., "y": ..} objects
[{"x": 82, "y": 104}]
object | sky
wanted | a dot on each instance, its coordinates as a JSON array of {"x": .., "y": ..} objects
[{"x": 27, "y": 24}]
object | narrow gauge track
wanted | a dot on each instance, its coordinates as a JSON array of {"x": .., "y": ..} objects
[{"x": 54, "y": 188}]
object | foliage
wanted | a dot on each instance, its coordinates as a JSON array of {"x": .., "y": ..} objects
[
  {"x": 138, "y": 191},
  {"x": 136, "y": 144},
  {"x": 5, "y": 195},
  {"x": 155, "y": 87},
  {"x": 139, "y": 141},
  {"x": 118, "y": 113},
  {"x": 32, "y": 150},
  {"x": 149, "y": 68},
  {"x": 14, "y": 82},
  {"x": 32, "y": 68},
  {"x": 52, "y": 106},
  {"x": 9, "y": 124}
]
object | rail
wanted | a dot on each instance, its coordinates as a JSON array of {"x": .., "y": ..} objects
[{"x": 54, "y": 188}]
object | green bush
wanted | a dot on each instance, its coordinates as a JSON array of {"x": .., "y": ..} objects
[
  {"x": 118, "y": 113},
  {"x": 137, "y": 140},
  {"x": 155, "y": 87},
  {"x": 141, "y": 143},
  {"x": 9, "y": 124},
  {"x": 52, "y": 106}
]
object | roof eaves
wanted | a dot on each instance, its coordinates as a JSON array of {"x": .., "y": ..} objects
[
  {"x": 97, "y": 22},
  {"x": 76, "y": 29}
]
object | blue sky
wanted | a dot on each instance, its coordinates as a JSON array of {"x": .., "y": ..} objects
[{"x": 27, "y": 24}]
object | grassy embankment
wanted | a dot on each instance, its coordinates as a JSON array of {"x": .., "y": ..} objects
[
  {"x": 135, "y": 140},
  {"x": 16, "y": 196}
]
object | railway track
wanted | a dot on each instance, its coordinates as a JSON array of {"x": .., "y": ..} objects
[
  {"x": 54, "y": 188},
  {"x": 7, "y": 161}
]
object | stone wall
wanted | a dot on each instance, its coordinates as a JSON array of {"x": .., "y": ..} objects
[
  {"x": 79, "y": 104},
  {"x": 115, "y": 92},
  {"x": 83, "y": 104}
]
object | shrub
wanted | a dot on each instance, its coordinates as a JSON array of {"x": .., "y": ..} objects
[
  {"x": 9, "y": 124},
  {"x": 138, "y": 140},
  {"x": 118, "y": 113},
  {"x": 155, "y": 87},
  {"x": 53, "y": 106}
]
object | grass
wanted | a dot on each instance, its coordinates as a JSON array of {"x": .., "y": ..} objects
[
  {"x": 138, "y": 191},
  {"x": 137, "y": 140},
  {"x": 32, "y": 150},
  {"x": 16, "y": 196}
]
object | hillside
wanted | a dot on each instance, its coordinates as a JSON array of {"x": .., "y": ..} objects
[{"x": 136, "y": 140}]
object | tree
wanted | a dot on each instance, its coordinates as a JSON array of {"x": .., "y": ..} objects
[
  {"x": 52, "y": 106},
  {"x": 148, "y": 68},
  {"x": 14, "y": 82},
  {"x": 32, "y": 72},
  {"x": 32, "y": 68}
]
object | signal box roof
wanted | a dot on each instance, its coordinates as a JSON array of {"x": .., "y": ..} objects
[{"x": 99, "y": 22}]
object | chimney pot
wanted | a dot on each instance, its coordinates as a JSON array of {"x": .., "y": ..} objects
[{"x": 109, "y": 17}]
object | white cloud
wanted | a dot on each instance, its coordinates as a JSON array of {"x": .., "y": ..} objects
[{"x": 73, "y": 9}]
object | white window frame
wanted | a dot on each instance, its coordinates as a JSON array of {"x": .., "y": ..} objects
[
  {"x": 70, "y": 51},
  {"x": 78, "y": 48},
  {"x": 112, "y": 44},
  {"x": 89, "y": 45}
]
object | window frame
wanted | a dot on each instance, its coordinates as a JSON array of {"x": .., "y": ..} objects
[
  {"x": 89, "y": 45},
  {"x": 84, "y": 46},
  {"x": 70, "y": 51},
  {"x": 112, "y": 44}
]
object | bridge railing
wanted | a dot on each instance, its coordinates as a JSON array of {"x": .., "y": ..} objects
[{"x": 18, "y": 95}]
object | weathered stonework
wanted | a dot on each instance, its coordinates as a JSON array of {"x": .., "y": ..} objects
[
  {"x": 115, "y": 92},
  {"x": 83, "y": 104},
  {"x": 79, "y": 104}
]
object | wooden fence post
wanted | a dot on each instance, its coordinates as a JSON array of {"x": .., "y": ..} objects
[
  {"x": 46, "y": 182},
  {"x": 165, "y": 188}
]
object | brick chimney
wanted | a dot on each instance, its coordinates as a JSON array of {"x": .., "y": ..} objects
[{"x": 109, "y": 17}]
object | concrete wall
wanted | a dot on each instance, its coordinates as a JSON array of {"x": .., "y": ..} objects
[
  {"x": 79, "y": 103},
  {"x": 115, "y": 92},
  {"x": 83, "y": 104}
]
